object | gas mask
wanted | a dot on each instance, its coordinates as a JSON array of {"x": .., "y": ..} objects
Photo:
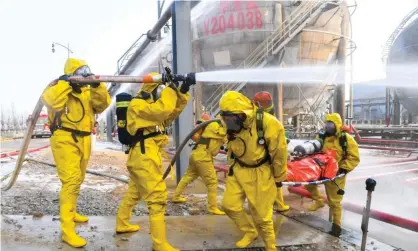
[
  {"x": 83, "y": 71},
  {"x": 156, "y": 93},
  {"x": 330, "y": 129},
  {"x": 234, "y": 123}
]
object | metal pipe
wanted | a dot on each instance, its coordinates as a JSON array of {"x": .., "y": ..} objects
[
  {"x": 381, "y": 141},
  {"x": 116, "y": 79},
  {"x": 387, "y": 148},
  {"x": 378, "y": 215},
  {"x": 370, "y": 185},
  {"x": 151, "y": 36},
  {"x": 387, "y": 107}
]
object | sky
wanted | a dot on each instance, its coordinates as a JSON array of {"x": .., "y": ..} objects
[{"x": 100, "y": 31}]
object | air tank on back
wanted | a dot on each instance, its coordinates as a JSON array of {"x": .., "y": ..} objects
[{"x": 307, "y": 148}]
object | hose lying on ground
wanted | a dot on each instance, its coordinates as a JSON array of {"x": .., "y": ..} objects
[
  {"x": 121, "y": 179},
  {"x": 89, "y": 171}
]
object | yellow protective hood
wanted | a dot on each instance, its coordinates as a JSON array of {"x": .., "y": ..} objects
[
  {"x": 336, "y": 119},
  {"x": 236, "y": 103},
  {"x": 149, "y": 87},
  {"x": 73, "y": 64}
]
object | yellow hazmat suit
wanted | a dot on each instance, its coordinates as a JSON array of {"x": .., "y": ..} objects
[
  {"x": 72, "y": 151},
  {"x": 347, "y": 163},
  {"x": 145, "y": 168},
  {"x": 201, "y": 165},
  {"x": 257, "y": 184},
  {"x": 265, "y": 100}
]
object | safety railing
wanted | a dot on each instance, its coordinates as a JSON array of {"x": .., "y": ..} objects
[
  {"x": 293, "y": 25},
  {"x": 128, "y": 54}
]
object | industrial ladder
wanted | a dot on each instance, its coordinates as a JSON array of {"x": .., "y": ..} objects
[{"x": 292, "y": 26}]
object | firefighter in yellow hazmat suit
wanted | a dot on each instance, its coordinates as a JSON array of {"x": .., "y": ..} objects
[
  {"x": 201, "y": 164},
  {"x": 348, "y": 158},
  {"x": 265, "y": 100},
  {"x": 71, "y": 109},
  {"x": 258, "y": 148},
  {"x": 154, "y": 108}
]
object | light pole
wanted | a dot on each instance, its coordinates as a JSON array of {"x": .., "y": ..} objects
[{"x": 66, "y": 47}]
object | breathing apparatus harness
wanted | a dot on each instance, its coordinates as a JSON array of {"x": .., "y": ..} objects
[
  {"x": 202, "y": 140},
  {"x": 122, "y": 103},
  {"x": 260, "y": 141},
  {"x": 57, "y": 123},
  {"x": 342, "y": 140}
]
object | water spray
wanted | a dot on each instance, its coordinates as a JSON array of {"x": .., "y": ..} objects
[{"x": 398, "y": 75}]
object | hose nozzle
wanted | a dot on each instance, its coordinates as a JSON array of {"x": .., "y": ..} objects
[{"x": 189, "y": 78}]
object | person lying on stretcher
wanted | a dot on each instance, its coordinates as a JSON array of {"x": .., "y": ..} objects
[{"x": 341, "y": 155}]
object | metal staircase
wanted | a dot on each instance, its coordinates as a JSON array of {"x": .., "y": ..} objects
[{"x": 292, "y": 26}]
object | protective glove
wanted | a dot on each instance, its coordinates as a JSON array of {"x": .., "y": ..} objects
[
  {"x": 185, "y": 87},
  {"x": 63, "y": 78},
  {"x": 76, "y": 87},
  {"x": 93, "y": 85},
  {"x": 189, "y": 80},
  {"x": 341, "y": 171},
  {"x": 279, "y": 184}
]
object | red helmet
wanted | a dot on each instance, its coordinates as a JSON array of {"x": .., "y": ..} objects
[
  {"x": 204, "y": 117},
  {"x": 264, "y": 99}
]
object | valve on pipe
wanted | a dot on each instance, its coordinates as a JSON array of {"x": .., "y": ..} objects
[{"x": 308, "y": 148}]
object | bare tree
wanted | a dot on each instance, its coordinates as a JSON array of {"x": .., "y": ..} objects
[{"x": 14, "y": 118}]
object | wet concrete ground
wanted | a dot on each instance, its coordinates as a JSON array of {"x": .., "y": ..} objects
[
  {"x": 186, "y": 233},
  {"x": 394, "y": 193}
]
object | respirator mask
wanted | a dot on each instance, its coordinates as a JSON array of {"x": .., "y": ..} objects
[
  {"x": 234, "y": 123},
  {"x": 83, "y": 71},
  {"x": 156, "y": 93},
  {"x": 330, "y": 129}
]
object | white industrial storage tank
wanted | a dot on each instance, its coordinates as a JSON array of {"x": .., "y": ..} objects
[{"x": 242, "y": 34}]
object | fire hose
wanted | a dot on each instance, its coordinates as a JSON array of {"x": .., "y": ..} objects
[
  {"x": 121, "y": 179},
  {"x": 165, "y": 77}
]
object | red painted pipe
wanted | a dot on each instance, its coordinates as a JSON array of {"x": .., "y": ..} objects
[
  {"x": 387, "y": 148},
  {"x": 15, "y": 153},
  {"x": 378, "y": 215},
  {"x": 381, "y": 141}
]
